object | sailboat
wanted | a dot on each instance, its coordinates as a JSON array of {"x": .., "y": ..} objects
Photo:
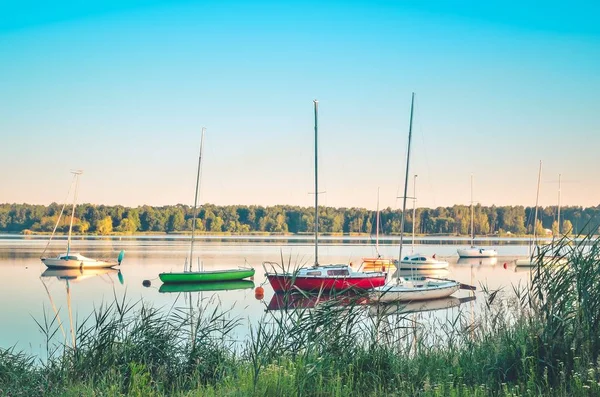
[
  {"x": 73, "y": 260},
  {"x": 535, "y": 256},
  {"x": 203, "y": 276},
  {"x": 417, "y": 261},
  {"x": 378, "y": 262},
  {"x": 413, "y": 288},
  {"x": 322, "y": 277},
  {"x": 475, "y": 252}
]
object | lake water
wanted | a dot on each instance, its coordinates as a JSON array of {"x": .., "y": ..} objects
[{"x": 26, "y": 296}]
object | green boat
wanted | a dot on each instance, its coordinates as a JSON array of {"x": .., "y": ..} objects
[
  {"x": 208, "y": 276},
  {"x": 202, "y": 276},
  {"x": 199, "y": 287}
]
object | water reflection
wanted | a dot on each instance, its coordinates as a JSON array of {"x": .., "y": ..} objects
[
  {"x": 292, "y": 301},
  {"x": 418, "y": 306},
  {"x": 213, "y": 286},
  {"x": 478, "y": 261},
  {"x": 70, "y": 276}
]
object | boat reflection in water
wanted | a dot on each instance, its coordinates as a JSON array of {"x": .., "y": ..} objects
[
  {"x": 74, "y": 276},
  {"x": 418, "y": 306},
  {"x": 301, "y": 300},
  {"x": 478, "y": 261},
  {"x": 199, "y": 287},
  {"x": 78, "y": 274}
]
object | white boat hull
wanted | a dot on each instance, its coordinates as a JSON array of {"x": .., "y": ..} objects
[
  {"x": 423, "y": 289},
  {"x": 475, "y": 252},
  {"x": 76, "y": 262},
  {"x": 410, "y": 265}
]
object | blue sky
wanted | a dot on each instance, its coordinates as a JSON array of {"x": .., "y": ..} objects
[{"x": 122, "y": 89}]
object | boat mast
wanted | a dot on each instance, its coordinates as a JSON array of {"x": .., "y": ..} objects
[
  {"x": 76, "y": 176},
  {"x": 472, "y": 216},
  {"x": 558, "y": 216},
  {"x": 537, "y": 196},
  {"x": 412, "y": 103},
  {"x": 377, "y": 227},
  {"x": 414, "y": 213},
  {"x": 196, "y": 199},
  {"x": 316, "y": 107}
]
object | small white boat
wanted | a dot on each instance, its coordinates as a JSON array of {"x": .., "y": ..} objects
[
  {"x": 477, "y": 252},
  {"x": 70, "y": 260},
  {"x": 77, "y": 261},
  {"x": 472, "y": 251},
  {"x": 415, "y": 289},
  {"x": 421, "y": 262}
]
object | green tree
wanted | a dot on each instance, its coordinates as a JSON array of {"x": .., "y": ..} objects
[
  {"x": 104, "y": 226},
  {"x": 567, "y": 227}
]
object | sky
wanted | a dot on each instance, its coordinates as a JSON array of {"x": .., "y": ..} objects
[{"x": 122, "y": 89}]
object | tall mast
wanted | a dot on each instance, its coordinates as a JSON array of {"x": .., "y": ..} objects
[
  {"x": 76, "y": 176},
  {"x": 472, "y": 215},
  {"x": 316, "y": 106},
  {"x": 412, "y": 103},
  {"x": 537, "y": 196},
  {"x": 414, "y": 212},
  {"x": 196, "y": 198},
  {"x": 377, "y": 227},
  {"x": 558, "y": 216}
]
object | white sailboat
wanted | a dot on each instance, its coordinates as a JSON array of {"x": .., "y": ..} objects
[
  {"x": 73, "y": 260},
  {"x": 473, "y": 251},
  {"x": 417, "y": 261},
  {"x": 412, "y": 288}
]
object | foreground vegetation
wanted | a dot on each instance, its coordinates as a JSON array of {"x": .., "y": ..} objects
[
  {"x": 105, "y": 220},
  {"x": 545, "y": 340}
]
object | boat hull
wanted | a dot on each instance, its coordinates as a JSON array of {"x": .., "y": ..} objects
[
  {"x": 401, "y": 293},
  {"x": 286, "y": 282},
  {"x": 376, "y": 264},
  {"x": 410, "y": 265},
  {"x": 207, "y": 276},
  {"x": 57, "y": 263},
  {"x": 474, "y": 252}
]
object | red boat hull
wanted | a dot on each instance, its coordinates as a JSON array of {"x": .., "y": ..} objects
[{"x": 285, "y": 282}]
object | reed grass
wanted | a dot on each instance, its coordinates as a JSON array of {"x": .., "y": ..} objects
[{"x": 537, "y": 339}]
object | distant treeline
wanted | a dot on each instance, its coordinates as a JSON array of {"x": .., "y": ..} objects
[{"x": 102, "y": 219}]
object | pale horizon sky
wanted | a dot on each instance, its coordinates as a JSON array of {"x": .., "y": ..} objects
[{"x": 122, "y": 90}]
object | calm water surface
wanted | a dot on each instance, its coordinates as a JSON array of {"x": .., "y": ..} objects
[{"x": 26, "y": 295}]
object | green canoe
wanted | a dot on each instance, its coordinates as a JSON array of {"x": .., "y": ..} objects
[
  {"x": 215, "y": 286},
  {"x": 207, "y": 276}
]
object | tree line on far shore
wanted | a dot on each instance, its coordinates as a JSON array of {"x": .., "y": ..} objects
[{"x": 285, "y": 219}]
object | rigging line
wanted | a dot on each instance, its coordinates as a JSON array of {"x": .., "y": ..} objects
[{"x": 60, "y": 215}]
